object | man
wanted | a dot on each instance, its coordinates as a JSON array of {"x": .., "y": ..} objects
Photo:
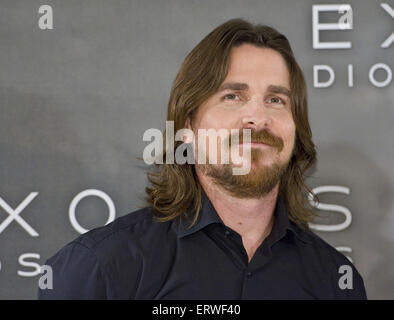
[{"x": 208, "y": 233}]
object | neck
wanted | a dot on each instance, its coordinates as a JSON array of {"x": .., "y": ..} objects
[{"x": 252, "y": 219}]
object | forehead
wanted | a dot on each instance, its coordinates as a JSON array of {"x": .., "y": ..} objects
[{"x": 252, "y": 64}]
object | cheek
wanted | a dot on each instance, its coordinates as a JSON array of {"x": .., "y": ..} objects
[
  {"x": 288, "y": 134},
  {"x": 216, "y": 119},
  {"x": 290, "y": 139}
]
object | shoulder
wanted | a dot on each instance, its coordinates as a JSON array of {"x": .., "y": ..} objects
[
  {"x": 334, "y": 265},
  {"x": 322, "y": 249},
  {"x": 132, "y": 232},
  {"x": 97, "y": 263},
  {"x": 132, "y": 225}
]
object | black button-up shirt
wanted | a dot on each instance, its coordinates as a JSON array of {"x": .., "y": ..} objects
[{"x": 137, "y": 257}]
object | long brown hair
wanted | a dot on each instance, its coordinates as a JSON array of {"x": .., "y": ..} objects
[{"x": 175, "y": 189}]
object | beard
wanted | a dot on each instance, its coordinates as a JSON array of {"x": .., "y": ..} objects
[{"x": 260, "y": 180}]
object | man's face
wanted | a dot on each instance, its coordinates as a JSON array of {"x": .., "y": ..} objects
[{"x": 254, "y": 95}]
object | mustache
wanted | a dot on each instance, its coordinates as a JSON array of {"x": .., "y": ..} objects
[{"x": 261, "y": 136}]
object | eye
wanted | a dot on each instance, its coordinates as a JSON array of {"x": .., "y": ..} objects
[
  {"x": 276, "y": 100},
  {"x": 231, "y": 96}
]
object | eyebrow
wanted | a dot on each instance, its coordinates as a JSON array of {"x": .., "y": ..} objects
[
  {"x": 234, "y": 86},
  {"x": 279, "y": 89},
  {"x": 239, "y": 86}
]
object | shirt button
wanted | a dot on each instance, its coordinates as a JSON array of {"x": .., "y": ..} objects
[
  {"x": 249, "y": 274},
  {"x": 226, "y": 233}
]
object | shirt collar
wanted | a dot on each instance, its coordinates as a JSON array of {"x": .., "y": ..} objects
[
  {"x": 208, "y": 215},
  {"x": 282, "y": 224}
]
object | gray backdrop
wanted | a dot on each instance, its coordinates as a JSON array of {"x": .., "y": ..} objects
[{"x": 76, "y": 100}]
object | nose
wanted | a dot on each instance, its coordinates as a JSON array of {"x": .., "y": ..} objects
[{"x": 256, "y": 116}]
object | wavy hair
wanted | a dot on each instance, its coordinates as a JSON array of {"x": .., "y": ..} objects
[{"x": 174, "y": 189}]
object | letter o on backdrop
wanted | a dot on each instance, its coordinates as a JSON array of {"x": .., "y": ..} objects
[{"x": 87, "y": 193}]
